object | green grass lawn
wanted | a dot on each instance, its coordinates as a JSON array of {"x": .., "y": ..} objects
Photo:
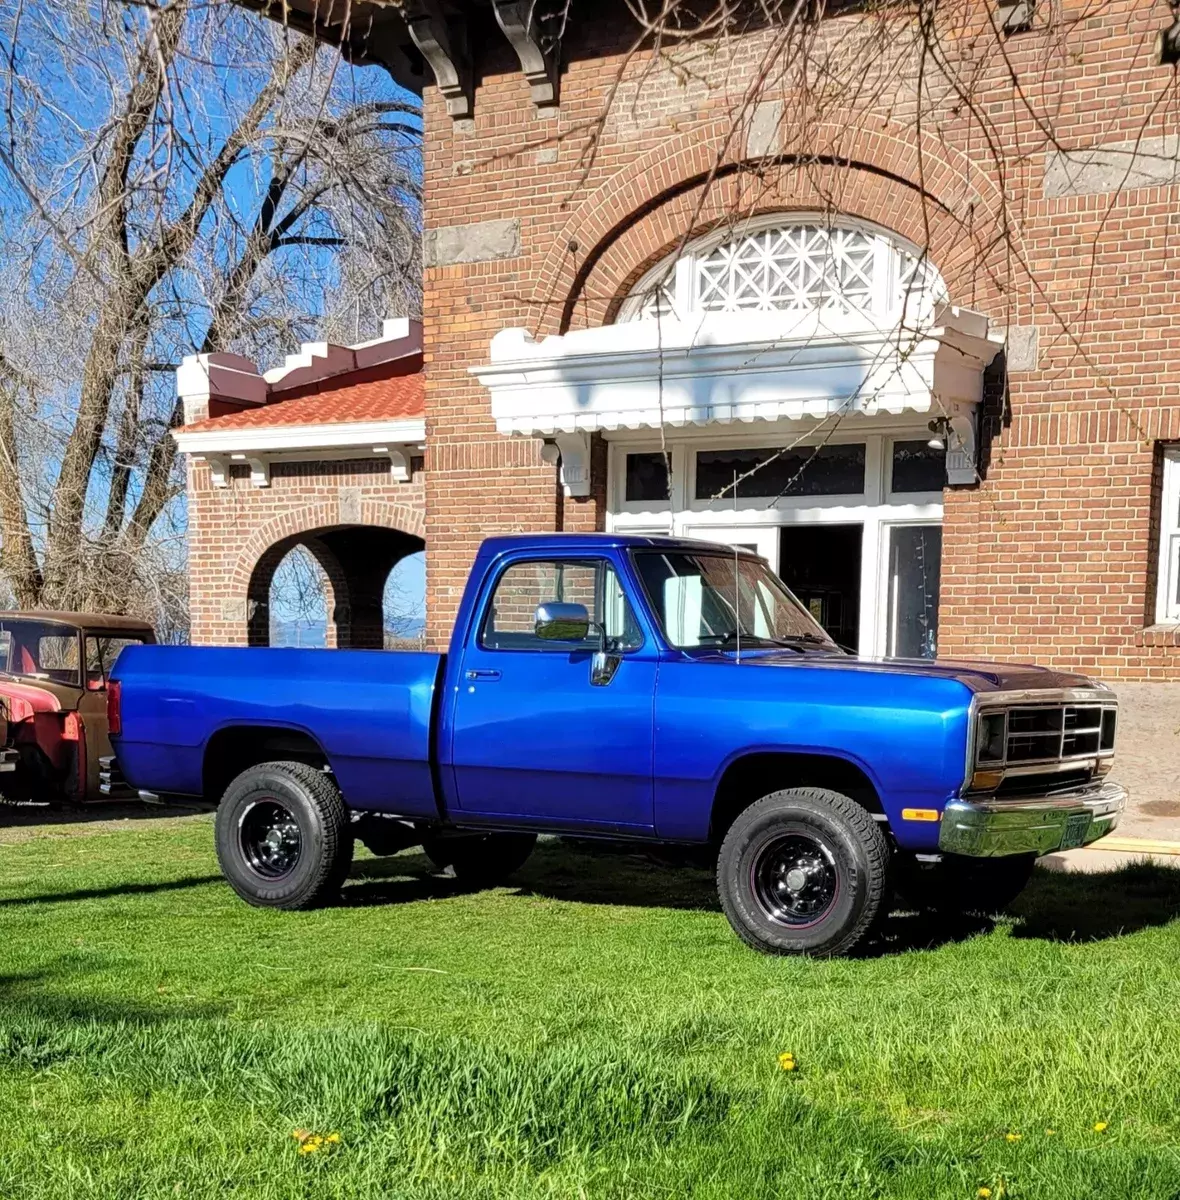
[{"x": 593, "y": 1030}]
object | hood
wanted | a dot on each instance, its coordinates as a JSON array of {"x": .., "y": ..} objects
[{"x": 979, "y": 676}]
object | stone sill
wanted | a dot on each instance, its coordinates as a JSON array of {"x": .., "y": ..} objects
[{"x": 1158, "y": 635}]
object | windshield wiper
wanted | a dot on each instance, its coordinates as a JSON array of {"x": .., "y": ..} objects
[{"x": 755, "y": 639}]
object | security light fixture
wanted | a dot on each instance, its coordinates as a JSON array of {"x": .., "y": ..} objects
[{"x": 940, "y": 429}]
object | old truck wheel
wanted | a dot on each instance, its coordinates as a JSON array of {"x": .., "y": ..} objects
[
  {"x": 481, "y": 859},
  {"x": 966, "y": 885},
  {"x": 803, "y": 871},
  {"x": 283, "y": 838}
]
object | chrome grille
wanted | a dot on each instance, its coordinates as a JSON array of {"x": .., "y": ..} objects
[{"x": 1050, "y": 733}]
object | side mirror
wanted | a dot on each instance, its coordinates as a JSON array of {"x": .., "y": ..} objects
[{"x": 557, "y": 622}]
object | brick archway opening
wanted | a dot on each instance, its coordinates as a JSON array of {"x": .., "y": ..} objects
[{"x": 356, "y": 561}]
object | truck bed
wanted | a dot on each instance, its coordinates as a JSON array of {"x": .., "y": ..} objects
[{"x": 368, "y": 711}]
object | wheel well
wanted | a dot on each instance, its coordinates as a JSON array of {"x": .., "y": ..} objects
[
  {"x": 757, "y": 775},
  {"x": 231, "y": 751}
]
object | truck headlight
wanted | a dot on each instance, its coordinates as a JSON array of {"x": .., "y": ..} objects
[{"x": 989, "y": 738}]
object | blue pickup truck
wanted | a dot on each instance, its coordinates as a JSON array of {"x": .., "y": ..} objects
[{"x": 666, "y": 691}]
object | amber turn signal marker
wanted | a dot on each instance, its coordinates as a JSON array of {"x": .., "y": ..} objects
[
  {"x": 986, "y": 781},
  {"x": 920, "y": 814}
]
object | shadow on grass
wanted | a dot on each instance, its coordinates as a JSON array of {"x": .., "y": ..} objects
[
  {"x": 1054, "y": 907},
  {"x": 107, "y": 893},
  {"x": 35, "y": 814}
]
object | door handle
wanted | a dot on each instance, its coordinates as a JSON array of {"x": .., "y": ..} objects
[{"x": 487, "y": 674}]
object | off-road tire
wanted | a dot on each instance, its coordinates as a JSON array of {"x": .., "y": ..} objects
[
  {"x": 856, "y": 860},
  {"x": 325, "y": 852},
  {"x": 480, "y": 859},
  {"x": 960, "y": 884}
]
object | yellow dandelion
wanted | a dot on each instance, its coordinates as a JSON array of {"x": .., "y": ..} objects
[
  {"x": 786, "y": 1061},
  {"x": 333, "y": 1138},
  {"x": 1050, "y": 1132},
  {"x": 984, "y": 1193},
  {"x": 1013, "y": 1137},
  {"x": 1101, "y": 1126}
]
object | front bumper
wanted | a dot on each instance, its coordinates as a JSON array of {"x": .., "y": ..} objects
[{"x": 1038, "y": 825}]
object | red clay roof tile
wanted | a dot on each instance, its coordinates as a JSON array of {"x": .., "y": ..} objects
[{"x": 398, "y": 398}]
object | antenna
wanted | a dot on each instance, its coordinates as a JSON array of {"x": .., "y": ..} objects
[{"x": 737, "y": 597}]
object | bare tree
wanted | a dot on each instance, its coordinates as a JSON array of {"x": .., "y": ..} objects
[{"x": 174, "y": 177}]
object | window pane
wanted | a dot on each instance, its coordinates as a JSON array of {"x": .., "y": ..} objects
[
  {"x": 647, "y": 477},
  {"x": 510, "y": 623},
  {"x": 918, "y": 467},
  {"x": 101, "y": 652},
  {"x": 833, "y": 470},
  {"x": 915, "y": 558}
]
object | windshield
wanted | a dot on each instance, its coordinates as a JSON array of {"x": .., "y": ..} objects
[
  {"x": 40, "y": 650},
  {"x": 715, "y": 600}
]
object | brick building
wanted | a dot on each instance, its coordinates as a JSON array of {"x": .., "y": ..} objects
[
  {"x": 920, "y": 349},
  {"x": 324, "y": 452}
]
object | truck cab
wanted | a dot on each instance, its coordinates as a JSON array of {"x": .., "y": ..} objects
[
  {"x": 54, "y": 668},
  {"x": 667, "y": 691}
]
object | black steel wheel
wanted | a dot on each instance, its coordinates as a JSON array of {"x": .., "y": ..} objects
[
  {"x": 804, "y": 871},
  {"x": 283, "y": 836},
  {"x": 269, "y": 837},
  {"x": 794, "y": 878}
]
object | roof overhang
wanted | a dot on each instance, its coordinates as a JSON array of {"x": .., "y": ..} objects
[
  {"x": 258, "y": 446},
  {"x": 733, "y": 367}
]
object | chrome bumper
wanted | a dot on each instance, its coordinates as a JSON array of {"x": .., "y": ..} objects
[{"x": 1038, "y": 825}]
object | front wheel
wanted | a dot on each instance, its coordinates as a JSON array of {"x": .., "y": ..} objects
[
  {"x": 804, "y": 871},
  {"x": 283, "y": 837},
  {"x": 480, "y": 859}
]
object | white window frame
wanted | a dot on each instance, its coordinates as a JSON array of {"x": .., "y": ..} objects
[
  {"x": 1167, "y": 602},
  {"x": 758, "y": 521}
]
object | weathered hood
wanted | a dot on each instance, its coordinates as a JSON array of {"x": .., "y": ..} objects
[{"x": 978, "y": 676}]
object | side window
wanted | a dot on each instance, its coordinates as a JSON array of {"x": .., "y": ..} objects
[
  {"x": 524, "y": 586},
  {"x": 101, "y": 652}
]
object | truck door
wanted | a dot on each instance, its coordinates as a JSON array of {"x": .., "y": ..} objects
[{"x": 537, "y": 732}]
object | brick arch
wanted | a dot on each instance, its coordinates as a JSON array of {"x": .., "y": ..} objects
[
  {"x": 356, "y": 550},
  {"x": 919, "y": 188},
  {"x": 325, "y": 514}
]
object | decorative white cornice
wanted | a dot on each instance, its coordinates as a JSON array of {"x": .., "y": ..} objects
[
  {"x": 733, "y": 367},
  {"x": 260, "y": 447}
]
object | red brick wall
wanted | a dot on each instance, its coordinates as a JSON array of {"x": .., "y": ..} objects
[
  {"x": 231, "y": 529},
  {"x": 1050, "y": 557}
]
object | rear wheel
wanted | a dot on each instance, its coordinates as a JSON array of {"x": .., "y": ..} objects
[
  {"x": 960, "y": 884},
  {"x": 283, "y": 837},
  {"x": 481, "y": 859},
  {"x": 803, "y": 871}
]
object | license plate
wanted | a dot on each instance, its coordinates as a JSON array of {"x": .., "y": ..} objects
[{"x": 1076, "y": 828}]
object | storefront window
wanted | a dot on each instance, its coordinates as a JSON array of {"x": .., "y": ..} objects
[
  {"x": 833, "y": 470},
  {"x": 647, "y": 477},
  {"x": 918, "y": 467},
  {"x": 915, "y": 556}
]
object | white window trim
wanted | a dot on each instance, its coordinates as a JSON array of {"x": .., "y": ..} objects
[
  {"x": 1167, "y": 602},
  {"x": 681, "y": 272},
  {"x": 758, "y": 522}
]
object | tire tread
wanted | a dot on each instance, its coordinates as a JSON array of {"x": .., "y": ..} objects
[{"x": 873, "y": 841}]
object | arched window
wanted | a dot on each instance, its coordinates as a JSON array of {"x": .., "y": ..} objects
[{"x": 797, "y": 265}]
